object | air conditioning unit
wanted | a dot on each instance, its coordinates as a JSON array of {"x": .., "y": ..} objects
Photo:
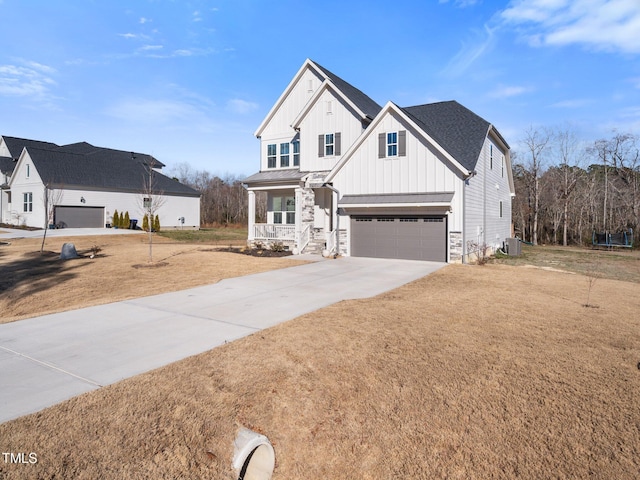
[{"x": 513, "y": 247}]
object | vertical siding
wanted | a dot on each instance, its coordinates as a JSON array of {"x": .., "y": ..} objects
[
  {"x": 422, "y": 170},
  {"x": 21, "y": 185},
  {"x": 483, "y": 195},
  {"x": 319, "y": 122},
  {"x": 279, "y": 130}
]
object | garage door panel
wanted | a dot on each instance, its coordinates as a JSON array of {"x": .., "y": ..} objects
[
  {"x": 79, "y": 217},
  {"x": 412, "y": 238}
]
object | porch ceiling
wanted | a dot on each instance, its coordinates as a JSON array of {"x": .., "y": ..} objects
[{"x": 275, "y": 177}]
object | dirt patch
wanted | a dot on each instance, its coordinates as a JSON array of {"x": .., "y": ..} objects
[
  {"x": 35, "y": 284},
  {"x": 472, "y": 372}
]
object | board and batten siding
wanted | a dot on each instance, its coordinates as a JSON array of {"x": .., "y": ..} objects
[
  {"x": 328, "y": 115},
  {"x": 22, "y": 183},
  {"x": 278, "y": 129},
  {"x": 484, "y": 192},
  {"x": 422, "y": 170}
]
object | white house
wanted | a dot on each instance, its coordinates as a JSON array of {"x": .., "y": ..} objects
[
  {"x": 84, "y": 185},
  {"x": 345, "y": 175}
]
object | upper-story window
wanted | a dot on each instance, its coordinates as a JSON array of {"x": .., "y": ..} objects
[
  {"x": 392, "y": 144},
  {"x": 272, "y": 150},
  {"x": 296, "y": 153},
  {"x": 28, "y": 171},
  {"x": 502, "y": 166},
  {"x": 329, "y": 144},
  {"x": 491, "y": 157},
  {"x": 284, "y": 154}
]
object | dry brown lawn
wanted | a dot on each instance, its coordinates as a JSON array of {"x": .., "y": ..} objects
[
  {"x": 473, "y": 372},
  {"x": 35, "y": 284}
]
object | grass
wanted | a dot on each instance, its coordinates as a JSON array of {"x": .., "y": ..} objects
[
  {"x": 472, "y": 372},
  {"x": 33, "y": 284},
  {"x": 620, "y": 264},
  {"x": 218, "y": 236}
]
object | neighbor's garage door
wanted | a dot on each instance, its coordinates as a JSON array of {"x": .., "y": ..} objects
[
  {"x": 80, "y": 217},
  {"x": 412, "y": 238}
]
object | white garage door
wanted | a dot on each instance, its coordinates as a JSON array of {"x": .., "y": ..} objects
[
  {"x": 406, "y": 237},
  {"x": 79, "y": 217}
]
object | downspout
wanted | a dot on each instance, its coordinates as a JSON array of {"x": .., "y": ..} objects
[{"x": 335, "y": 190}]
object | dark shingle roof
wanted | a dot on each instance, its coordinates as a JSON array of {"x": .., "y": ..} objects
[
  {"x": 7, "y": 164},
  {"x": 100, "y": 171},
  {"x": 456, "y": 128},
  {"x": 88, "y": 149},
  {"x": 15, "y": 145},
  {"x": 364, "y": 103}
]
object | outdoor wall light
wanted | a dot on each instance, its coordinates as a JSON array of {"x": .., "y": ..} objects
[{"x": 82, "y": 200}]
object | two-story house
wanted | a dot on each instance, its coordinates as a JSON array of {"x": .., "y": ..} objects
[{"x": 346, "y": 176}]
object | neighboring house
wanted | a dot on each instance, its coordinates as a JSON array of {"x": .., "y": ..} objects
[
  {"x": 84, "y": 185},
  {"x": 344, "y": 175}
]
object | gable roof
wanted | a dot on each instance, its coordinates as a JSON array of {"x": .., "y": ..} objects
[
  {"x": 456, "y": 128},
  {"x": 15, "y": 145},
  {"x": 369, "y": 107},
  {"x": 365, "y": 104},
  {"x": 60, "y": 168}
]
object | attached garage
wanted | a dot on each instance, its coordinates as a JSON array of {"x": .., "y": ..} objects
[
  {"x": 411, "y": 226},
  {"x": 79, "y": 217},
  {"x": 404, "y": 237}
]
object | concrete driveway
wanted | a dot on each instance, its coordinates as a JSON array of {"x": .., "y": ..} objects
[{"x": 48, "y": 359}]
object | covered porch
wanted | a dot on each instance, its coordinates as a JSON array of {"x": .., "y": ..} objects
[{"x": 298, "y": 216}]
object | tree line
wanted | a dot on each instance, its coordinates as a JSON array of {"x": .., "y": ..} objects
[
  {"x": 224, "y": 200},
  {"x": 566, "y": 189}
]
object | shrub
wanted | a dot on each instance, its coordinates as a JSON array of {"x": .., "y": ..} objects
[
  {"x": 156, "y": 224},
  {"x": 277, "y": 247},
  {"x": 126, "y": 220},
  {"x": 145, "y": 222},
  {"x": 115, "y": 222}
]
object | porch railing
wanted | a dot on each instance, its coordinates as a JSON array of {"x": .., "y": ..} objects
[
  {"x": 305, "y": 235},
  {"x": 332, "y": 238},
  {"x": 271, "y": 231}
]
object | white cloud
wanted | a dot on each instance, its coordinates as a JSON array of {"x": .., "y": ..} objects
[
  {"x": 241, "y": 107},
  {"x": 196, "y": 16},
  {"x": 609, "y": 25},
  {"x": 151, "y": 47},
  {"x": 470, "y": 51},
  {"x": 144, "y": 20},
  {"x": 26, "y": 81},
  {"x": 507, "y": 91},
  {"x": 462, "y": 3},
  {"x": 575, "y": 103}
]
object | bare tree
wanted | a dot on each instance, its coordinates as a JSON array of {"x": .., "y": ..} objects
[
  {"x": 535, "y": 141},
  {"x": 51, "y": 198},
  {"x": 151, "y": 199}
]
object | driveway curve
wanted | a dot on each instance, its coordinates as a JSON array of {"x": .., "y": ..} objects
[{"x": 45, "y": 360}]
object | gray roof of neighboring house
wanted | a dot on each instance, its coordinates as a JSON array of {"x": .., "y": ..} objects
[
  {"x": 393, "y": 198},
  {"x": 364, "y": 103},
  {"x": 456, "y": 128},
  {"x": 7, "y": 164},
  {"x": 100, "y": 171},
  {"x": 15, "y": 145},
  {"x": 88, "y": 149},
  {"x": 275, "y": 176}
]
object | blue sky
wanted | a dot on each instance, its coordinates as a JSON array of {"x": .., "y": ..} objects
[{"x": 190, "y": 81}]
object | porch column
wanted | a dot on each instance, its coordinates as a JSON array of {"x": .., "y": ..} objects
[
  {"x": 251, "y": 214},
  {"x": 298, "y": 215}
]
